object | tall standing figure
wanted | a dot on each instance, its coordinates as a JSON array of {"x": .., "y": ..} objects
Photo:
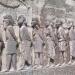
[
  {"x": 56, "y": 42},
  {"x": 11, "y": 42},
  {"x": 50, "y": 44},
  {"x": 2, "y": 46},
  {"x": 72, "y": 43},
  {"x": 63, "y": 43},
  {"x": 38, "y": 40},
  {"x": 25, "y": 44}
]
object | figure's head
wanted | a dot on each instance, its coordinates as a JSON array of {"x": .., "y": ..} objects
[
  {"x": 59, "y": 23},
  {"x": 8, "y": 20},
  {"x": 70, "y": 22},
  {"x": 21, "y": 20},
  {"x": 35, "y": 23},
  {"x": 48, "y": 20}
]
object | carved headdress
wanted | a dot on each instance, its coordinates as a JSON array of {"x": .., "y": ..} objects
[
  {"x": 35, "y": 22},
  {"x": 9, "y": 17}
]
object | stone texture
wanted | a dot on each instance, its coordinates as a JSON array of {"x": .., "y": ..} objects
[{"x": 65, "y": 70}]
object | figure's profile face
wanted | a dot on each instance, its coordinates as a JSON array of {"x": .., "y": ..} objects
[
  {"x": 5, "y": 23},
  {"x": 21, "y": 20}
]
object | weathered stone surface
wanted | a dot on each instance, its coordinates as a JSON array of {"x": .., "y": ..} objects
[
  {"x": 65, "y": 70},
  {"x": 61, "y": 53},
  {"x": 34, "y": 72}
]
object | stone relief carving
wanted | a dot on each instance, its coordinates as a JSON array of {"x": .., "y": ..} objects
[{"x": 56, "y": 39}]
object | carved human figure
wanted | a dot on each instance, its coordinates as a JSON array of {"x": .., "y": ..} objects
[
  {"x": 2, "y": 46},
  {"x": 25, "y": 44},
  {"x": 16, "y": 30},
  {"x": 72, "y": 43},
  {"x": 63, "y": 34},
  {"x": 50, "y": 46},
  {"x": 38, "y": 40},
  {"x": 11, "y": 42},
  {"x": 56, "y": 42}
]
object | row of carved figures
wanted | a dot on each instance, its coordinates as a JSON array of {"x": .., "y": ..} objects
[{"x": 49, "y": 45}]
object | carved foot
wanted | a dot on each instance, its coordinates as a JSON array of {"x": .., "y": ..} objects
[
  {"x": 52, "y": 65},
  {"x": 37, "y": 67},
  {"x": 28, "y": 68},
  {"x": 73, "y": 63},
  {"x": 22, "y": 68},
  {"x": 5, "y": 71},
  {"x": 46, "y": 66},
  {"x": 63, "y": 65},
  {"x": 34, "y": 67},
  {"x": 70, "y": 62},
  {"x": 58, "y": 65}
]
